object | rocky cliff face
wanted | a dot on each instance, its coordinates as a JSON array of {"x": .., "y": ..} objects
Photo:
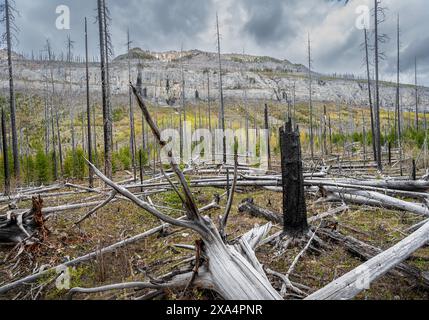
[{"x": 257, "y": 78}]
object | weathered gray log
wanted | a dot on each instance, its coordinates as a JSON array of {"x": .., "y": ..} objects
[
  {"x": 351, "y": 284},
  {"x": 335, "y": 183},
  {"x": 405, "y": 185},
  {"x": 375, "y": 199},
  {"x": 366, "y": 252}
]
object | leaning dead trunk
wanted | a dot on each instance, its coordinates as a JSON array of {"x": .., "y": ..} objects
[{"x": 235, "y": 271}]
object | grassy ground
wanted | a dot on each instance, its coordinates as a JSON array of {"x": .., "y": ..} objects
[{"x": 156, "y": 256}]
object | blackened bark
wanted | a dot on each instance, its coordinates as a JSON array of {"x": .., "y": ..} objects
[
  {"x": 267, "y": 128},
  {"x": 294, "y": 206},
  {"x": 371, "y": 107},
  {"x": 377, "y": 90}
]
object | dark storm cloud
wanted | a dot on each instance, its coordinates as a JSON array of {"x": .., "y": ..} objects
[
  {"x": 153, "y": 24},
  {"x": 162, "y": 24},
  {"x": 266, "y": 21},
  {"x": 272, "y": 27}
]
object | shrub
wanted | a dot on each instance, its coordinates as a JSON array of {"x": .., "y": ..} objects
[{"x": 43, "y": 166}]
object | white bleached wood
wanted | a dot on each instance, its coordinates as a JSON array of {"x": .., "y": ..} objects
[{"x": 350, "y": 285}]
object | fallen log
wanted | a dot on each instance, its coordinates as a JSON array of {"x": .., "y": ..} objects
[
  {"x": 351, "y": 284},
  {"x": 374, "y": 199},
  {"x": 248, "y": 206},
  {"x": 333, "y": 183},
  {"x": 366, "y": 252},
  {"x": 404, "y": 185},
  {"x": 34, "y": 277}
]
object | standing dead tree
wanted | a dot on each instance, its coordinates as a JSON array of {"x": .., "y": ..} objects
[
  {"x": 107, "y": 123},
  {"x": 294, "y": 206},
  {"x": 379, "y": 17},
  {"x": 88, "y": 107},
  {"x": 8, "y": 8},
  {"x": 70, "y": 96},
  {"x": 5, "y": 154},
  {"x": 267, "y": 128},
  {"x": 310, "y": 101},
  {"x": 371, "y": 105},
  {"x": 131, "y": 111},
  {"x": 221, "y": 98},
  {"x": 56, "y": 137},
  {"x": 416, "y": 88},
  {"x": 398, "y": 123}
]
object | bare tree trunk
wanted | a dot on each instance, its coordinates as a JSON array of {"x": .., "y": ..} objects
[
  {"x": 71, "y": 106},
  {"x": 330, "y": 135},
  {"x": 377, "y": 91},
  {"x": 267, "y": 128},
  {"x": 325, "y": 119},
  {"x": 94, "y": 125},
  {"x": 60, "y": 148},
  {"x": 88, "y": 109},
  {"x": 182, "y": 112},
  {"x": 46, "y": 124},
  {"x": 371, "y": 108},
  {"x": 210, "y": 116},
  {"x": 104, "y": 84},
  {"x": 398, "y": 105},
  {"x": 54, "y": 148},
  {"x": 310, "y": 88},
  {"x": 12, "y": 102},
  {"x": 131, "y": 110},
  {"x": 5, "y": 155},
  {"x": 417, "y": 94},
  {"x": 140, "y": 90},
  {"x": 222, "y": 105}
]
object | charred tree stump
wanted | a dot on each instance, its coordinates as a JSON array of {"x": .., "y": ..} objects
[
  {"x": 20, "y": 225},
  {"x": 294, "y": 206}
]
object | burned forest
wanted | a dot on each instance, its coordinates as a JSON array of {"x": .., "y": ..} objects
[{"x": 133, "y": 174}]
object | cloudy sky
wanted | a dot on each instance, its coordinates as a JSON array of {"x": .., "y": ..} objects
[{"x": 276, "y": 28}]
